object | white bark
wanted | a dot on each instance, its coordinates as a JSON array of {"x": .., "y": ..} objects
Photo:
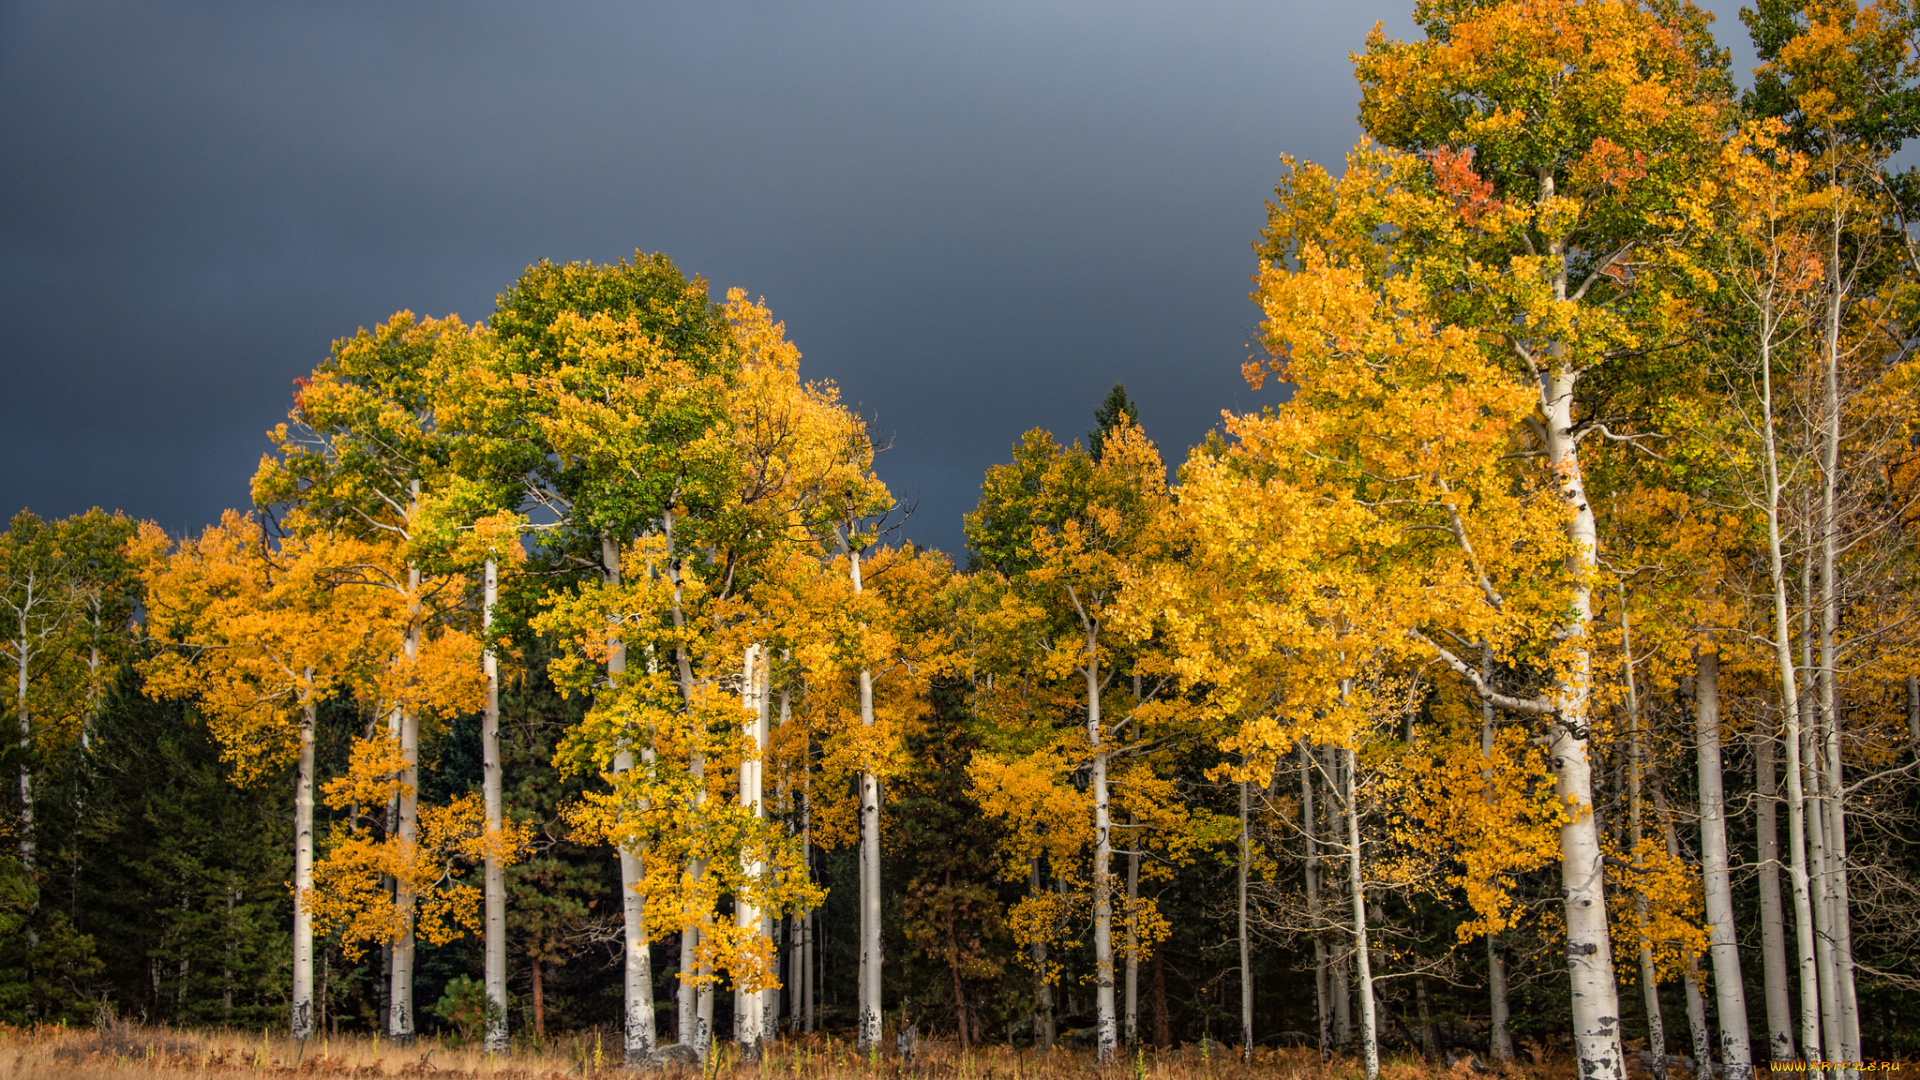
[
  {"x": 809, "y": 936},
  {"x": 870, "y": 968},
  {"x": 1596, "y": 1002},
  {"x": 1790, "y": 712},
  {"x": 495, "y": 884},
  {"x": 1336, "y": 827},
  {"x": 1499, "y": 1039},
  {"x": 23, "y": 655},
  {"x": 686, "y": 1005},
  {"x": 1649, "y": 972},
  {"x": 1730, "y": 1001},
  {"x": 303, "y": 1009},
  {"x": 1773, "y": 949},
  {"x": 749, "y": 1006},
  {"x": 1133, "y": 941},
  {"x": 1363, "y": 962},
  {"x": 1819, "y": 885},
  {"x": 400, "y": 988},
  {"x": 1843, "y": 1004},
  {"x": 636, "y": 998},
  {"x": 694, "y": 1000},
  {"x": 1106, "y": 1027},
  {"x": 1246, "y": 959}
]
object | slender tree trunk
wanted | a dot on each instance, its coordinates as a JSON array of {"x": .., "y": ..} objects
[
  {"x": 1773, "y": 949},
  {"x": 1843, "y": 1003},
  {"x": 303, "y": 1018},
  {"x": 1499, "y": 1039},
  {"x": 1649, "y": 972},
  {"x": 636, "y": 996},
  {"x": 686, "y": 1005},
  {"x": 1369, "y": 1026},
  {"x": 870, "y": 957},
  {"x": 749, "y": 1006},
  {"x": 1246, "y": 959},
  {"x": 694, "y": 1001},
  {"x": 400, "y": 994},
  {"x": 1133, "y": 931},
  {"x": 1697, "y": 1020},
  {"x": 1042, "y": 985},
  {"x": 23, "y": 654},
  {"x": 1728, "y": 985},
  {"x": 1819, "y": 884},
  {"x": 495, "y": 873},
  {"x": 1309, "y": 830},
  {"x": 1790, "y": 711},
  {"x": 703, "y": 1008},
  {"x": 1106, "y": 1025},
  {"x": 1336, "y": 822},
  {"x": 809, "y": 940}
]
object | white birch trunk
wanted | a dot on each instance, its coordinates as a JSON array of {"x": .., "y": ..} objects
[
  {"x": 1246, "y": 959},
  {"x": 694, "y": 1001},
  {"x": 1839, "y": 891},
  {"x": 1790, "y": 712},
  {"x": 870, "y": 966},
  {"x": 636, "y": 989},
  {"x": 1363, "y": 961},
  {"x": 686, "y": 1005},
  {"x": 809, "y": 935},
  {"x": 1499, "y": 1039},
  {"x": 1336, "y": 822},
  {"x": 23, "y": 654},
  {"x": 1649, "y": 971},
  {"x": 749, "y": 1006},
  {"x": 303, "y": 1010},
  {"x": 1133, "y": 941},
  {"x": 1820, "y": 885},
  {"x": 400, "y": 989},
  {"x": 1773, "y": 949},
  {"x": 1596, "y": 1002},
  {"x": 1106, "y": 1026},
  {"x": 495, "y": 884},
  {"x": 1730, "y": 1001},
  {"x": 1844, "y": 1003}
]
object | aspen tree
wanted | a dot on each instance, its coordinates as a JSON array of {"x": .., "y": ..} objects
[
  {"x": 52, "y": 591},
  {"x": 1840, "y": 75},
  {"x": 1552, "y": 139},
  {"x": 1063, "y": 527},
  {"x": 256, "y": 632},
  {"x": 601, "y": 405},
  {"x": 361, "y": 454}
]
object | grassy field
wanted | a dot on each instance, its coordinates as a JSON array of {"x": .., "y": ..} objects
[{"x": 126, "y": 1051}]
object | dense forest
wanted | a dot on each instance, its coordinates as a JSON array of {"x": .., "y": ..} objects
[{"x": 1539, "y": 669}]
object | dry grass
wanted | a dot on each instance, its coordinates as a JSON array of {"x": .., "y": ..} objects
[{"x": 126, "y": 1051}]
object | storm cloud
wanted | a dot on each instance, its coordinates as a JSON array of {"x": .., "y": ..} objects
[{"x": 974, "y": 217}]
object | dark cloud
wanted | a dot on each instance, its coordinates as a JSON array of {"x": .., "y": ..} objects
[{"x": 975, "y": 217}]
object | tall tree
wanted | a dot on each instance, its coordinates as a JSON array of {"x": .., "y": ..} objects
[{"x": 1552, "y": 139}]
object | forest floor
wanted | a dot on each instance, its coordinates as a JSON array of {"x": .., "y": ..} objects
[{"x": 124, "y": 1051}]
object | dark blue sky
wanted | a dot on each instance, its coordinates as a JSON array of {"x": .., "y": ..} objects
[{"x": 975, "y": 217}]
